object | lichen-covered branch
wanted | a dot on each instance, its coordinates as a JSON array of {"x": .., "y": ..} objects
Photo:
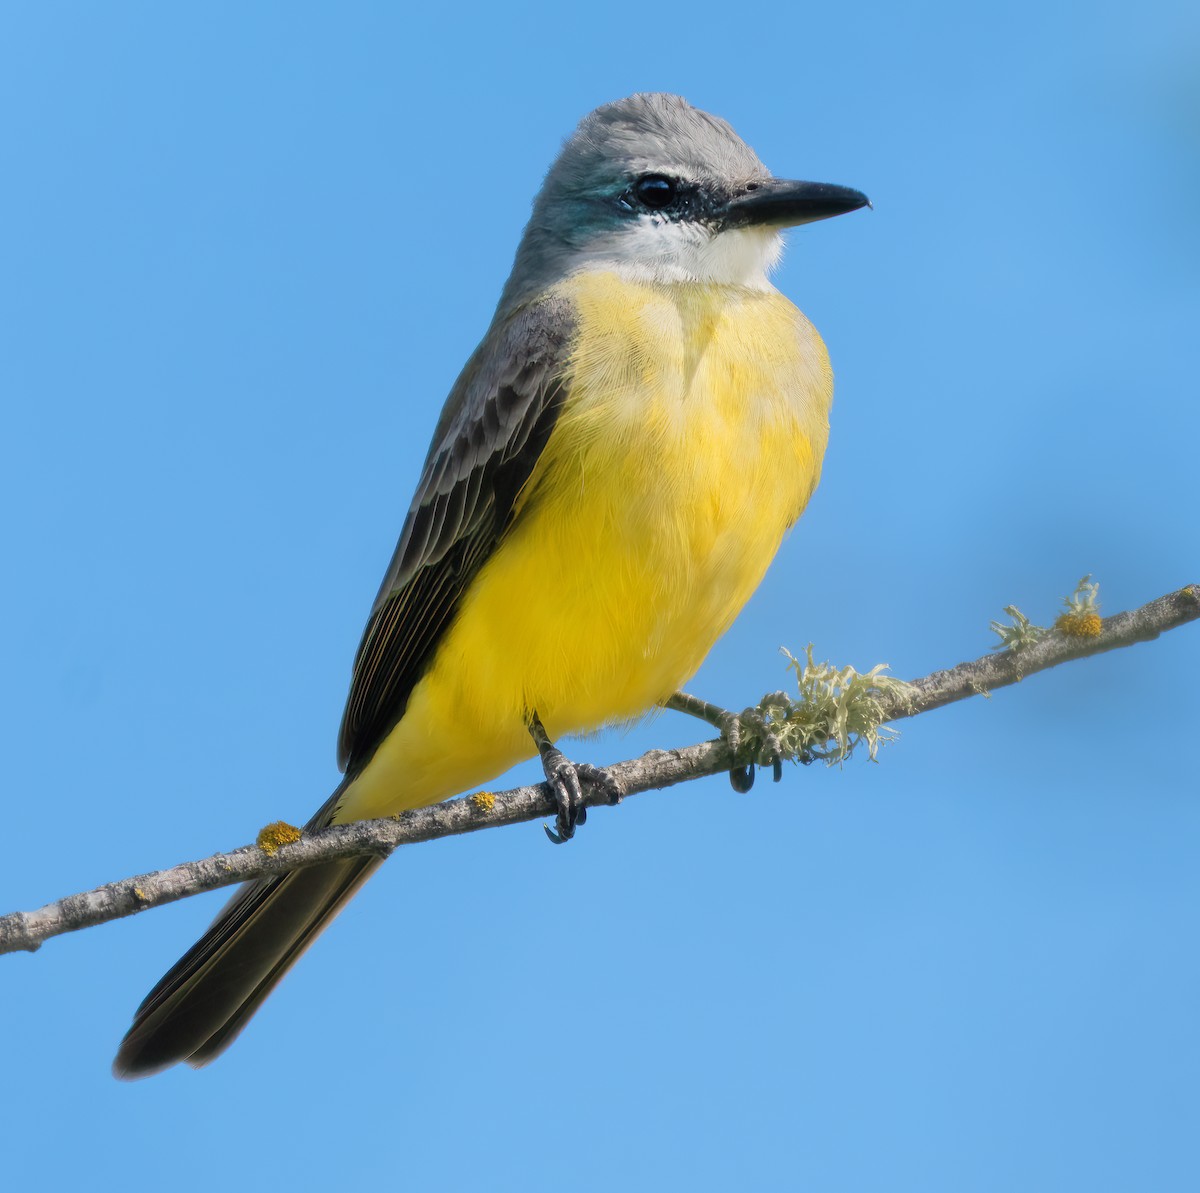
[
  {"x": 278, "y": 851},
  {"x": 1001, "y": 668}
]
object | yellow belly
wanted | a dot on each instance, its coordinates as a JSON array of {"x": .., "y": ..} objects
[{"x": 691, "y": 440}]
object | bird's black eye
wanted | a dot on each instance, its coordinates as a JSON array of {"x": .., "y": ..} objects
[{"x": 656, "y": 191}]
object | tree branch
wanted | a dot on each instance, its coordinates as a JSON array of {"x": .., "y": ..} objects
[{"x": 654, "y": 770}]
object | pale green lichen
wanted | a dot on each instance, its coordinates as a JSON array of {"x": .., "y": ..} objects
[
  {"x": 1080, "y": 619},
  {"x": 837, "y": 710},
  {"x": 1020, "y": 634}
]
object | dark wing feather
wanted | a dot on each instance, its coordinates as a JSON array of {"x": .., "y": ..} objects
[{"x": 492, "y": 431}]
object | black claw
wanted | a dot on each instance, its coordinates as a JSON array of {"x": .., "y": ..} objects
[
  {"x": 741, "y": 778},
  {"x": 769, "y": 750},
  {"x": 566, "y": 781},
  {"x": 568, "y": 791},
  {"x": 597, "y": 776},
  {"x": 568, "y": 795}
]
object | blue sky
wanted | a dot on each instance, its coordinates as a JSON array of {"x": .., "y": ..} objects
[{"x": 244, "y": 250}]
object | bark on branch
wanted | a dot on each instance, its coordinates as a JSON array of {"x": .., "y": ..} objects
[{"x": 654, "y": 770}]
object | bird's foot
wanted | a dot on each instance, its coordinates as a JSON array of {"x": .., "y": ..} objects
[
  {"x": 739, "y": 730},
  {"x": 567, "y": 780}
]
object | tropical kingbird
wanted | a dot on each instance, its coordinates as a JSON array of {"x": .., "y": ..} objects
[{"x": 609, "y": 478}]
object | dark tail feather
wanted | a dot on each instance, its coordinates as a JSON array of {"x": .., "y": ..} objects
[{"x": 197, "y": 1009}]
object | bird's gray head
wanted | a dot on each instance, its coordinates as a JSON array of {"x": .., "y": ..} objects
[{"x": 654, "y": 188}]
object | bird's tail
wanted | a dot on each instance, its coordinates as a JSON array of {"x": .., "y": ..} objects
[{"x": 207, "y": 997}]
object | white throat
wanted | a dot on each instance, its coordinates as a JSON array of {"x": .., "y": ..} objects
[{"x": 660, "y": 250}]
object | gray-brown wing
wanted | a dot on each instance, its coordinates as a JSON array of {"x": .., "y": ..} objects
[{"x": 492, "y": 431}]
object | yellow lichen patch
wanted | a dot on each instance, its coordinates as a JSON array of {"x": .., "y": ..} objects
[
  {"x": 1079, "y": 625},
  {"x": 485, "y": 801},
  {"x": 138, "y": 893},
  {"x": 271, "y": 838},
  {"x": 1081, "y": 618}
]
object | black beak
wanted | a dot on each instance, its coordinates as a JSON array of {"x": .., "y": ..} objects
[{"x": 782, "y": 203}]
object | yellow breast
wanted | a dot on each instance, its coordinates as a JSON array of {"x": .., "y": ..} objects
[{"x": 691, "y": 439}]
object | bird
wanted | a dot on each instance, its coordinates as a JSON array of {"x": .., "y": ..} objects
[{"x": 610, "y": 476}]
